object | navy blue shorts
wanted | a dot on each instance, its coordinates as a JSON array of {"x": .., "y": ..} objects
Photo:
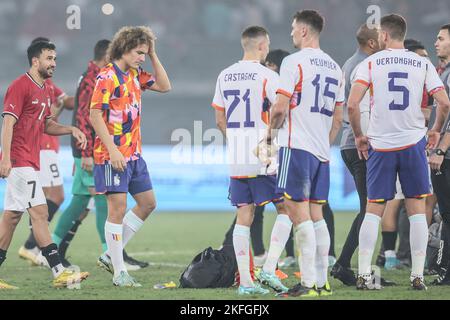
[
  {"x": 134, "y": 179},
  {"x": 412, "y": 168},
  {"x": 302, "y": 176},
  {"x": 259, "y": 190}
]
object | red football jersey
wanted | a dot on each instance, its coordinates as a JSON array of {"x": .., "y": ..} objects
[
  {"x": 29, "y": 103},
  {"x": 52, "y": 142}
]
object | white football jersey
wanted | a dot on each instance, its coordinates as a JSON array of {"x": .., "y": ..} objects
[
  {"x": 314, "y": 83},
  {"x": 245, "y": 91},
  {"x": 396, "y": 78}
]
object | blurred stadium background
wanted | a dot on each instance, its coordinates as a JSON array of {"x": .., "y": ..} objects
[{"x": 196, "y": 39}]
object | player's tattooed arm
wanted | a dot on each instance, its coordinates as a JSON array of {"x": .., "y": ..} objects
[
  {"x": 442, "y": 112},
  {"x": 117, "y": 159},
  {"x": 7, "y": 131},
  {"x": 221, "y": 121},
  {"x": 435, "y": 159},
  {"x": 338, "y": 117},
  {"x": 357, "y": 93},
  {"x": 277, "y": 116},
  {"x": 442, "y": 109}
]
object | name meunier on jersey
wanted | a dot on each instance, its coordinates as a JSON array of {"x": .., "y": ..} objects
[{"x": 323, "y": 63}]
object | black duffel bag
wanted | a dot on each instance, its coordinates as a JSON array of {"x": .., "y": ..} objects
[{"x": 210, "y": 269}]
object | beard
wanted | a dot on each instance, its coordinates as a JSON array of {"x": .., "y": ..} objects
[{"x": 45, "y": 73}]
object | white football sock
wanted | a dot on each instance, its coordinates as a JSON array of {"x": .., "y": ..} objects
[
  {"x": 367, "y": 241},
  {"x": 113, "y": 234},
  {"x": 241, "y": 243},
  {"x": 323, "y": 247},
  {"x": 390, "y": 254},
  {"x": 418, "y": 238},
  {"x": 131, "y": 224},
  {"x": 306, "y": 241},
  {"x": 280, "y": 234}
]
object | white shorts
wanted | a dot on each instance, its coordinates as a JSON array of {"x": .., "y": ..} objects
[
  {"x": 23, "y": 190},
  {"x": 50, "y": 175}
]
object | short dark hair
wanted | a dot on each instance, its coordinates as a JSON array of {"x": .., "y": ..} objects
[
  {"x": 276, "y": 57},
  {"x": 39, "y": 39},
  {"x": 394, "y": 25},
  {"x": 413, "y": 45},
  {"x": 254, "y": 32},
  {"x": 312, "y": 18},
  {"x": 364, "y": 34},
  {"x": 446, "y": 26},
  {"x": 35, "y": 49},
  {"x": 101, "y": 47}
]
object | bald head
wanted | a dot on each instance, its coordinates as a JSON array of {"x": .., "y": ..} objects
[{"x": 364, "y": 34}]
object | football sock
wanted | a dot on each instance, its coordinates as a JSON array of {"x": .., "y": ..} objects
[
  {"x": 280, "y": 234},
  {"x": 305, "y": 238},
  {"x": 2, "y": 256},
  {"x": 290, "y": 244},
  {"x": 113, "y": 235},
  {"x": 77, "y": 206},
  {"x": 323, "y": 247},
  {"x": 50, "y": 253},
  {"x": 390, "y": 254},
  {"x": 131, "y": 224},
  {"x": 329, "y": 219},
  {"x": 351, "y": 243},
  {"x": 52, "y": 209},
  {"x": 68, "y": 238},
  {"x": 418, "y": 237},
  {"x": 367, "y": 240},
  {"x": 256, "y": 231},
  {"x": 241, "y": 243},
  {"x": 389, "y": 240},
  {"x": 101, "y": 214}
]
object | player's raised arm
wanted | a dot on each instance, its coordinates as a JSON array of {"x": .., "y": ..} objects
[
  {"x": 162, "y": 82},
  {"x": 7, "y": 131}
]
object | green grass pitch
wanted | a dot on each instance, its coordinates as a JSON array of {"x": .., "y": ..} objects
[{"x": 169, "y": 241}]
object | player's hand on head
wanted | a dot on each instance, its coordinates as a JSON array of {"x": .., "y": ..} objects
[
  {"x": 433, "y": 139},
  {"x": 151, "y": 48},
  {"x": 81, "y": 138},
  {"x": 362, "y": 144},
  {"x": 5, "y": 168},
  {"x": 117, "y": 160},
  {"x": 87, "y": 163}
]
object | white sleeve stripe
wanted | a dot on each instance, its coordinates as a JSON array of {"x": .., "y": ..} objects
[{"x": 7, "y": 112}]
